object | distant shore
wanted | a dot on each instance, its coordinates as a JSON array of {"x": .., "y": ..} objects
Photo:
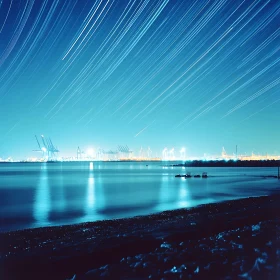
[
  {"x": 229, "y": 163},
  {"x": 215, "y": 240},
  {"x": 188, "y": 163}
]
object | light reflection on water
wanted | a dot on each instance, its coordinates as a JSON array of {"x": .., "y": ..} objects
[
  {"x": 43, "y": 194},
  {"x": 184, "y": 196},
  {"x": 90, "y": 194},
  {"x": 42, "y": 203}
]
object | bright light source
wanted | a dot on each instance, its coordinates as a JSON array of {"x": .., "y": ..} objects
[
  {"x": 44, "y": 149},
  {"x": 90, "y": 152}
]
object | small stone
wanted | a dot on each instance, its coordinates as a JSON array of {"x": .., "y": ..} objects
[
  {"x": 105, "y": 267},
  {"x": 197, "y": 270},
  {"x": 139, "y": 257},
  {"x": 165, "y": 245},
  {"x": 220, "y": 236},
  {"x": 183, "y": 267},
  {"x": 174, "y": 269},
  {"x": 257, "y": 250},
  {"x": 256, "y": 227},
  {"x": 263, "y": 258},
  {"x": 137, "y": 264}
]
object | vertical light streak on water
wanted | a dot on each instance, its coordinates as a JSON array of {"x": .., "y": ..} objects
[
  {"x": 60, "y": 193},
  {"x": 90, "y": 192},
  {"x": 99, "y": 194},
  {"x": 164, "y": 193},
  {"x": 90, "y": 196},
  {"x": 42, "y": 203},
  {"x": 94, "y": 199},
  {"x": 184, "y": 199},
  {"x": 91, "y": 166}
]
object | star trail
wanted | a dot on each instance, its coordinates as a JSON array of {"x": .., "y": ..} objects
[{"x": 201, "y": 74}]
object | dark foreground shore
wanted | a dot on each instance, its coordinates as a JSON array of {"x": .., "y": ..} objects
[{"x": 231, "y": 240}]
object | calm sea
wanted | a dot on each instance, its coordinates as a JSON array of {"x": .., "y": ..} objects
[{"x": 48, "y": 194}]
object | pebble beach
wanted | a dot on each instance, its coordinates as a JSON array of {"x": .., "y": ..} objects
[{"x": 238, "y": 239}]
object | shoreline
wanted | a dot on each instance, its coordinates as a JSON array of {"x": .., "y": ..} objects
[
  {"x": 61, "y": 252},
  {"x": 229, "y": 163}
]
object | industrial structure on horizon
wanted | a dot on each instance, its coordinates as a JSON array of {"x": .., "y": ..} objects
[
  {"x": 253, "y": 156},
  {"x": 46, "y": 148},
  {"x": 122, "y": 153},
  {"x": 49, "y": 152}
]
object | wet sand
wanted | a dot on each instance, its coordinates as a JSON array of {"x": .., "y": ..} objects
[{"x": 237, "y": 239}]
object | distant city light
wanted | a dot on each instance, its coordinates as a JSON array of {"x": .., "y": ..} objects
[{"x": 90, "y": 152}]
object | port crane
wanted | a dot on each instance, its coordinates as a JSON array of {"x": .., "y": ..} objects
[{"x": 47, "y": 148}]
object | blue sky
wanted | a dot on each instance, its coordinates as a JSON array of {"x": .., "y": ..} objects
[{"x": 198, "y": 74}]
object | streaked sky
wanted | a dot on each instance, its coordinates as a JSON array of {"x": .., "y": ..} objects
[{"x": 158, "y": 73}]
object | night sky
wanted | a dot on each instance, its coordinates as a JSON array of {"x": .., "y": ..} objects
[{"x": 199, "y": 74}]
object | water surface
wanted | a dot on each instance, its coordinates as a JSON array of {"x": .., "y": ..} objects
[{"x": 46, "y": 194}]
